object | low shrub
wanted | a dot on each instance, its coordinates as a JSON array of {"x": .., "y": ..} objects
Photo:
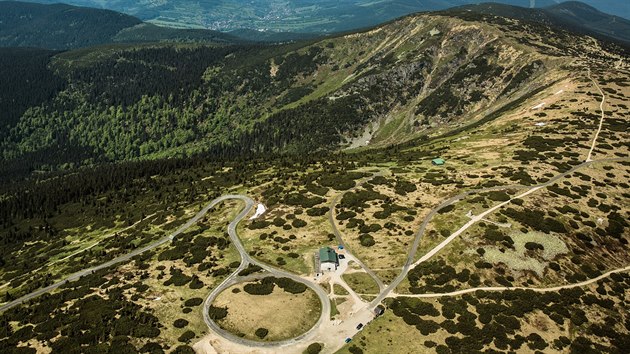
[
  {"x": 195, "y": 301},
  {"x": 186, "y": 336},
  {"x": 261, "y": 332},
  {"x": 180, "y": 323}
]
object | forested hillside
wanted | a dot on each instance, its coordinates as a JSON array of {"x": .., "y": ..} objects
[{"x": 26, "y": 82}]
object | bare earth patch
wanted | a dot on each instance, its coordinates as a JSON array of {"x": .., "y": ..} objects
[{"x": 519, "y": 259}]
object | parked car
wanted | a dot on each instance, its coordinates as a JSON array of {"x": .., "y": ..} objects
[
  {"x": 348, "y": 340},
  {"x": 341, "y": 256},
  {"x": 359, "y": 326}
]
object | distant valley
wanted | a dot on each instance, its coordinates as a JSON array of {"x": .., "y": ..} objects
[
  {"x": 60, "y": 26},
  {"x": 304, "y": 16}
]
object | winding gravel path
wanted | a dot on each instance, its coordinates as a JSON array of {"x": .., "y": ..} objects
[
  {"x": 601, "y": 121},
  {"x": 234, "y": 278},
  {"x": 119, "y": 259},
  {"x": 502, "y": 288}
]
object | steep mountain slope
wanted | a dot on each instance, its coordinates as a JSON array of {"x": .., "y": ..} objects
[
  {"x": 60, "y": 26},
  {"x": 26, "y": 81},
  {"x": 297, "y": 16},
  {"x": 421, "y": 75},
  {"x": 570, "y": 15}
]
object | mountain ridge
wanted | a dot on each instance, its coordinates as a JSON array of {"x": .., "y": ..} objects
[
  {"x": 421, "y": 75},
  {"x": 574, "y": 16}
]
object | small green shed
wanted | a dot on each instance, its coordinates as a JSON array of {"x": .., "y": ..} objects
[{"x": 438, "y": 162}]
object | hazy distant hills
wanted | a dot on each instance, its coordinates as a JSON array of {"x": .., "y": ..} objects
[
  {"x": 571, "y": 15},
  {"x": 60, "y": 26},
  {"x": 298, "y": 15}
]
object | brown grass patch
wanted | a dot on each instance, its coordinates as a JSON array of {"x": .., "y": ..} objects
[{"x": 285, "y": 315}]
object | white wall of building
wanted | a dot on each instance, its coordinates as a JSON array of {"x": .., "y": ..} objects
[{"x": 327, "y": 267}]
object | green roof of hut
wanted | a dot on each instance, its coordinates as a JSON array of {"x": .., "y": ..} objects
[{"x": 327, "y": 254}]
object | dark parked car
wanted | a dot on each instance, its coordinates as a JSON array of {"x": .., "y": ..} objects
[
  {"x": 359, "y": 326},
  {"x": 341, "y": 256},
  {"x": 348, "y": 340}
]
